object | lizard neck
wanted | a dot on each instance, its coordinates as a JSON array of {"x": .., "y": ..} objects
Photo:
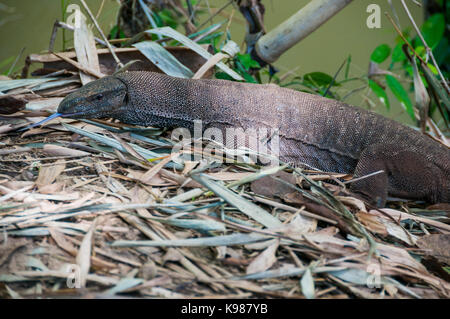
[{"x": 159, "y": 100}]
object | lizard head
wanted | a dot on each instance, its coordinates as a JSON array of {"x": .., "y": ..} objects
[{"x": 97, "y": 99}]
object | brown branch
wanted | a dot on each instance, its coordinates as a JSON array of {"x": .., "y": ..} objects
[
  {"x": 79, "y": 66},
  {"x": 400, "y": 33}
]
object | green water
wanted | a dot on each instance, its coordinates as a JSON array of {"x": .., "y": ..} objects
[{"x": 28, "y": 24}]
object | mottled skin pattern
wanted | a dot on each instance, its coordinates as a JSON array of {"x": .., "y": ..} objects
[{"x": 320, "y": 132}]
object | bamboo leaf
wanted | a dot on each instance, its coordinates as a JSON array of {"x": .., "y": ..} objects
[
  {"x": 84, "y": 253},
  {"x": 401, "y": 95},
  {"x": 379, "y": 91},
  {"x": 163, "y": 59},
  {"x": 248, "y": 208},
  {"x": 265, "y": 260},
  {"x": 286, "y": 272},
  {"x": 436, "y": 86},
  {"x": 169, "y": 32},
  {"x": 433, "y": 30},
  {"x": 201, "y": 225},
  {"x": 307, "y": 284},
  {"x": 115, "y": 144},
  {"x": 124, "y": 284},
  {"x": 353, "y": 275},
  {"x": 255, "y": 176},
  {"x": 318, "y": 79},
  {"x": 7, "y": 85},
  {"x": 397, "y": 54},
  {"x": 421, "y": 94},
  {"x": 380, "y": 53},
  {"x": 226, "y": 240}
]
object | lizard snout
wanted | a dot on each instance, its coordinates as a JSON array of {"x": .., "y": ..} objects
[
  {"x": 96, "y": 99},
  {"x": 71, "y": 106}
]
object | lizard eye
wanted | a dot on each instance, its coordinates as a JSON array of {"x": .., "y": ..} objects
[{"x": 98, "y": 97}]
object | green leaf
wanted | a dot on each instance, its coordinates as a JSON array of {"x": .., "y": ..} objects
[
  {"x": 433, "y": 30},
  {"x": 380, "y": 53},
  {"x": 158, "y": 20},
  {"x": 223, "y": 76},
  {"x": 193, "y": 3},
  {"x": 420, "y": 50},
  {"x": 242, "y": 71},
  {"x": 447, "y": 269},
  {"x": 432, "y": 68},
  {"x": 210, "y": 38},
  {"x": 202, "y": 31},
  {"x": 116, "y": 33},
  {"x": 398, "y": 55},
  {"x": 409, "y": 69},
  {"x": 379, "y": 91},
  {"x": 215, "y": 42},
  {"x": 248, "y": 78},
  {"x": 167, "y": 18},
  {"x": 442, "y": 51},
  {"x": 347, "y": 67},
  {"x": 318, "y": 79},
  {"x": 401, "y": 95},
  {"x": 6, "y": 62},
  {"x": 247, "y": 61}
]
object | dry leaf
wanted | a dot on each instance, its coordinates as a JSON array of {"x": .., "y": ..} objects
[
  {"x": 352, "y": 201},
  {"x": 61, "y": 241},
  {"x": 228, "y": 176},
  {"x": 56, "y": 150},
  {"x": 155, "y": 169},
  {"x": 384, "y": 225},
  {"x": 51, "y": 189},
  {"x": 265, "y": 260},
  {"x": 189, "y": 166},
  {"x": 172, "y": 254},
  {"x": 437, "y": 245},
  {"x": 298, "y": 226},
  {"x": 84, "y": 254},
  {"x": 372, "y": 223},
  {"x": 156, "y": 180},
  {"x": 48, "y": 174},
  {"x": 84, "y": 44}
]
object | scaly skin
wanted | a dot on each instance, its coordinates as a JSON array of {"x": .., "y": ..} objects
[{"x": 316, "y": 131}]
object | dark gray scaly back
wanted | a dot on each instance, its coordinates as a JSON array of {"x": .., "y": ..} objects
[{"x": 321, "y": 132}]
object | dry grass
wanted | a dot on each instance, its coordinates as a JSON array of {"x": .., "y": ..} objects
[{"x": 137, "y": 227}]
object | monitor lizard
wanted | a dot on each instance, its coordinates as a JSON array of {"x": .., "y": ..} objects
[{"x": 313, "y": 130}]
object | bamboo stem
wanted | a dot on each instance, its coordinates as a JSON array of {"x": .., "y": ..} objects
[{"x": 273, "y": 44}]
